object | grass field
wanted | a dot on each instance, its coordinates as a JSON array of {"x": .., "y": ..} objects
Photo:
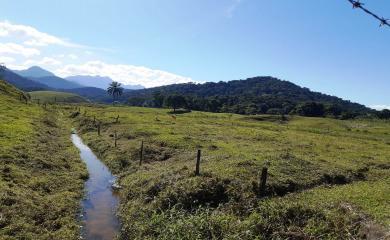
[
  {"x": 41, "y": 175},
  {"x": 328, "y": 179},
  {"x": 59, "y": 97}
]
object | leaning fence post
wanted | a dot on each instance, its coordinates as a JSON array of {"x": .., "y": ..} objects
[
  {"x": 141, "y": 153},
  {"x": 263, "y": 182},
  {"x": 197, "y": 163},
  {"x": 115, "y": 138}
]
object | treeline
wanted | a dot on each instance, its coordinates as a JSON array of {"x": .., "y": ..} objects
[
  {"x": 260, "y": 95},
  {"x": 243, "y": 106}
]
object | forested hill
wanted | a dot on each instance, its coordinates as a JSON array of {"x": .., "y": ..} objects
[{"x": 250, "y": 96}]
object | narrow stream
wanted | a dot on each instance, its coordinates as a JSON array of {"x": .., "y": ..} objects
[{"x": 99, "y": 206}]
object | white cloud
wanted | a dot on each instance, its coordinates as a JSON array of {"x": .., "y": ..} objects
[
  {"x": 3, "y": 33},
  {"x": 73, "y": 56},
  {"x": 126, "y": 74},
  {"x": 6, "y": 60},
  {"x": 31, "y": 36},
  {"x": 13, "y": 48},
  {"x": 22, "y": 46},
  {"x": 46, "y": 61},
  {"x": 380, "y": 107}
]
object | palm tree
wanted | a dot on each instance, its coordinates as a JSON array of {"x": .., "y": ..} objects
[{"x": 115, "y": 90}]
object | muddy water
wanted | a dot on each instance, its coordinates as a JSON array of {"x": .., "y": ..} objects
[{"x": 99, "y": 219}]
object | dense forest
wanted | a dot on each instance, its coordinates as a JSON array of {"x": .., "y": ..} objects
[{"x": 256, "y": 95}]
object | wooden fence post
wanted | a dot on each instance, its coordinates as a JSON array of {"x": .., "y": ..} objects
[
  {"x": 263, "y": 182},
  {"x": 141, "y": 153},
  {"x": 98, "y": 128},
  {"x": 117, "y": 119},
  {"x": 197, "y": 170},
  {"x": 94, "y": 120},
  {"x": 39, "y": 100},
  {"x": 115, "y": 138}
]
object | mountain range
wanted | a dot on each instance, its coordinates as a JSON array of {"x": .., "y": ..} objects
[
  {"x": 47, "y": 80},
  {"x": 249, "y": 96},
  {"x": 34, "y": 72},
  {"x": 23, "y": 83}
]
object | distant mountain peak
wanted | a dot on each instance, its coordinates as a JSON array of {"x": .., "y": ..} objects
[
  {"x": 34, "y": 72},
  {"x": 98, "y": 81}
]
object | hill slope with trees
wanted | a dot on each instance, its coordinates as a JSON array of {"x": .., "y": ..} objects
[{"x": 251, "y": 96}]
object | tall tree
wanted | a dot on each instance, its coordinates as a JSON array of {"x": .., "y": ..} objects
[
  {"x": 175, "y": 101},
  {"x": 115, "y": 90}
]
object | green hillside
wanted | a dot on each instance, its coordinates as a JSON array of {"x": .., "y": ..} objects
[
  {"x": 257, "y": 95},
  {"x": 60, "y": 97},
  {"x": 9, "y": 90},
  {"x": 41, "y": 175},
  {"x": 328, "y": 179}
]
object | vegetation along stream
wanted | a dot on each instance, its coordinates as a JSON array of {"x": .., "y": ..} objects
[{"x": 99, "y": 219}]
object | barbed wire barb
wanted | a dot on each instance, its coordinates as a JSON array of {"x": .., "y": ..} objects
[{"x": 357, "y": 4}]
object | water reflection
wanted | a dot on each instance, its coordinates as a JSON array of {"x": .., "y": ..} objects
[{"x": 99, "y": 219}]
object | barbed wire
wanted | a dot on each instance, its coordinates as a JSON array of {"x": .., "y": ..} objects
[{"x": 357, "y": 4}]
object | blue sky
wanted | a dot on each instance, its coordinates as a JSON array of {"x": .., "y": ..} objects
[{"x": 324, "y": 45}]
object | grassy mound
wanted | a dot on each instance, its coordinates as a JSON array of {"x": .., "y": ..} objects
[
  {"x": 327, "y": 178},
  {"x": 41, "y": 175},
  {"x": 11, "y": 91},
  {"x": 59, "y": 97}
]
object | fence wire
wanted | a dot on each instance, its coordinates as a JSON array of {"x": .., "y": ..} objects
[{"x": 359, "y": 5}]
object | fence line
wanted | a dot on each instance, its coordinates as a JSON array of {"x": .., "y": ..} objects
[{"x": 357, "y": 4}]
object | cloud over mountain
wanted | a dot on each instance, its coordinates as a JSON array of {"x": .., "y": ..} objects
[
  {"x": 126, "y": 74},
  {"x": 23, "y": 46}
]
